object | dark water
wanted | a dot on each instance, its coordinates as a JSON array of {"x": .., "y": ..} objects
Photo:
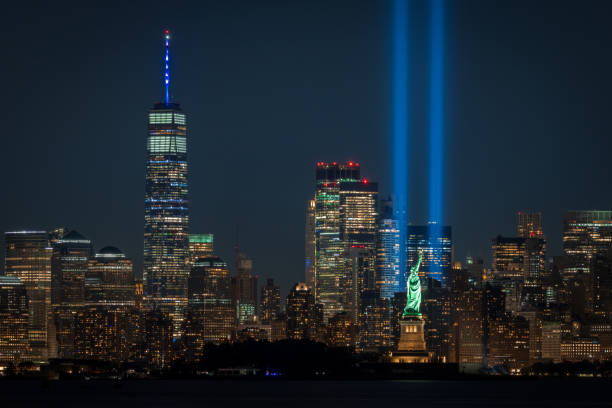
[{"x": 313, "y": 394}]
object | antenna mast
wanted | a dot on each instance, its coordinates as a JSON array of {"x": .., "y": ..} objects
[{"x": 167, "y": 68}]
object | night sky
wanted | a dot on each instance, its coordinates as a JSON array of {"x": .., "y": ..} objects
[{"x": 271, "y": 87}]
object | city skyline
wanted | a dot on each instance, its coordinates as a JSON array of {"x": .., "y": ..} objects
[{"x": 109, "y": 187}]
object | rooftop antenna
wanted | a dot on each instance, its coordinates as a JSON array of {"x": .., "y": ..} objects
[{"x": 167, "y": 68}]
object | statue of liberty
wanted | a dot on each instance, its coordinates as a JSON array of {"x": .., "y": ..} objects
[{"x": 413, "y": 290}]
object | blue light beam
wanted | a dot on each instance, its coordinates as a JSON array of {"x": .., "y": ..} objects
[
  {"x": 400, "y": 127},
  {"x": 436, "y": 123}
]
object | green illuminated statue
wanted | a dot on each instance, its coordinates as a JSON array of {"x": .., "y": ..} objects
[{"x": 413, "y": 293}]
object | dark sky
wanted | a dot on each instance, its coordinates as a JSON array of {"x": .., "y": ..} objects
[{"x": 271, "y": 87}]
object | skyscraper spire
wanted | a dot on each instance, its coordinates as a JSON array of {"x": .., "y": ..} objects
[{"x": 167, "y": 68}]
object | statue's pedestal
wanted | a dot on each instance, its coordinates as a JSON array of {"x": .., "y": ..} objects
[{"x": 411, "y": 347}]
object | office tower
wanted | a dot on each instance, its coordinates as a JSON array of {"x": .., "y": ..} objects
[
  {"x": 166, "y": 221},
  {"x": 467, "y": 340},
  {"x": 508, "y": 258},
  {"x": 551, "y": 341},
  {"x": 374, "y": 322},
  {"x": 358, "y": 229},
  {"x": 530, "y": 225},
  {"x": 270, "y": 305},
  {"x": 69, "y": 264},
  {"x": 602, "y": 281},
  {"x": 388, "y": 275},
  {"x": 28, "y": 257},
  {"x": 210, "y": 314},
  {"x": 309, "y": 247},
  {"x": 345, "y": 216},
  {"x": 158, "y": 339},
  {"x": 585, "y": 234},
  {"x": 110, "y": 279},
  {"x": 535, "y": 262},
  {"x": 245, "y": 289},
  {"x": 437, "y": 251},
  {"x": 508, "y": 342},
  {"x": 329, "y": 262},
  {"x": 106, "y": 333},
  {"x": 360, "y": 276},
  {"x": 341, "y": 330},
  {"x": 200, "y": 246},
  {"x": 278, "y": 328},
  {"x": 301, "y": 313},
  {"x": 14, "y": 321},
  {"x": 435, "y": 308},
  {"x": 107, "y": 327}
]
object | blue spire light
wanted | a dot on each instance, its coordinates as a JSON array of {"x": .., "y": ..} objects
[
  {"x": 400, "y": 127},
  {"x": 167, "y": 68},
  {"x": 436, "y": 123}
]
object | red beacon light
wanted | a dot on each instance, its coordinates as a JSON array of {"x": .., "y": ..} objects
[
  {"x": 350, "y": 164},
  {"x": 364, "y": 181}
]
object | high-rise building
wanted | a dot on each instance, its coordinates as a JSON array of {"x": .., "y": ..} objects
[
  {"x": 530, "y": 225},
  {"x": 388, "y": 258},
  {"x": 508, "y": 257},
  {"x": 301, "y": 313},
  {"x": 585, "y": 234},
  {"x": 14, "y": 342},
  {"x": 166, "y": 226},
  {"x": 341, "y": 331},
  {"x": 28, "y": 257},
  {"x": 270, "y": 304},
  {"x": 110, "y": 279},
  {"x": 245, "y": 290},
  {"x": 360, "y": 277},
  {"x": 69, "y": 265},
  {"x": 374, "y": 322},
  {"x": 309, "y": 247},
  {"x": 345, "y": 216},
  {"x": 200, "y": 246},
  {"x": 210, "y": 315},
  {"x": 437, "y": 250}
]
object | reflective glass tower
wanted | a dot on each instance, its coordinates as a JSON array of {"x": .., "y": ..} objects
[{"x": 166, "y": 236}]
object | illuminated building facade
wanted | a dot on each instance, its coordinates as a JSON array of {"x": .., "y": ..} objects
[
  {"x": 270, "y": 305},
  {"x": 374, "y": 332},
  {"x": 508, "y": 257},
  {"x": 341, "y": 331},
  {"x": 210, "y": 315},
  {"x": 530, "y": 225},
  {"x": 309, "y": 247},
  {"x": 110, "y": 279},
  {"x": 105, "y": 333},
  {"x": 245, "y": 290},
  {"x": 388, "y": 279},
  {"x": 166, "y": 236},
  {"x": 69, "y": 265},
  {"x": 200, "y": 246},
  {"x": 585, "y": 234},
  {"x": 576, "y": 349},
  {"x": 14, "y": 321},
  {"x": 344, "y": 217},
  {"x": 28, "y": 257},
  {"x": 437, "y": 251},
  {"x": 301, "y": 313}
]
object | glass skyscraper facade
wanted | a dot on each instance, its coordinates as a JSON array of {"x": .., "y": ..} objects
[
  {"x": 437, "y": 251},
  {"x": 330, "y": 262},
  {"x": 585, "y": 234},
  {"x": 388, "y": 278},
  {"x": 166, "y": 226}
]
